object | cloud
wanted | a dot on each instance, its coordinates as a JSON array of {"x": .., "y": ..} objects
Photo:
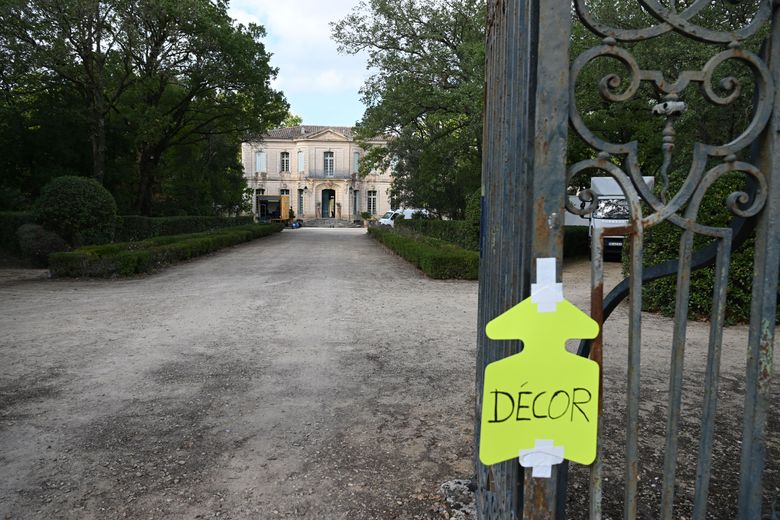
[{"x": 299, "y": 39}]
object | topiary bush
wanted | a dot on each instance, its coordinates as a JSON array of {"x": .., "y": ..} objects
[
  {"x": 37, "y": 243},
  {"x": 79, "y": 209}
]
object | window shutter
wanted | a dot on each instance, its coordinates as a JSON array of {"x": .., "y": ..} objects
[
  {"x": 355, "y": 161},
  {"x": 300, "y": 162}
]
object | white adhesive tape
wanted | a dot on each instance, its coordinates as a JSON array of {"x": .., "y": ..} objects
[
  {"x": 542, "y": 457},
  {"x": 545, "y": 293}
]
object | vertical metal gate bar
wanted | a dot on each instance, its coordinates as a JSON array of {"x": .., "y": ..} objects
[
  {"x": 597, "y": 354},
  {"x": 764, "y": 302},
  {"x": 634, "y": 358},
  {"x": 524, "y": 184},
  {"x": 551, "y": 123},
  {"x": 676, "y": 373},
  {"x": 711, "y": 379},
  {"x": 504, "y": 246}
]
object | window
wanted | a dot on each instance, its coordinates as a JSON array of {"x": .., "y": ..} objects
[
  {"x": 355, "y": 161},
  {"x": 261, "y": 191},
  {"x": 284, "y": 162},
  {"x": 284, "y": 192},
  {"x": 372, "y": 202},
  {"x": 260, "y": 165},
  {"x": 301, "y": 161},
  {"x": 300, "y": 203},
  {"x": 356, "y": 203},
  {"x": 329, "y": 164}
]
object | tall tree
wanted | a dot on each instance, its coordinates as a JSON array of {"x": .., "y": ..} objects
[
  {"x": 426, "y": 95},
  {"x": 75, "y": 42},
  {"x": 198, "y": 75}
]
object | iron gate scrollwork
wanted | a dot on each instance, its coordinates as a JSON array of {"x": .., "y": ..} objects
[{"x": 755, "y": 153}]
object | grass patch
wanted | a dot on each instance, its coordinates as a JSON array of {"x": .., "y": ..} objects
[
  {"x": 129, "y": 258},
  {"x": 436, "y": 258}
]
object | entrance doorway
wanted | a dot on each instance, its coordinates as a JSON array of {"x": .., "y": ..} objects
[{"x": 328, "y": 203}]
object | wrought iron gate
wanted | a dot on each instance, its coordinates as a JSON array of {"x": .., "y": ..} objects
[{"x": 530, "y": 107}]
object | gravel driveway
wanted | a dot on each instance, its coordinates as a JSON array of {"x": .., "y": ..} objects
[{"x": 309, "y": 374}]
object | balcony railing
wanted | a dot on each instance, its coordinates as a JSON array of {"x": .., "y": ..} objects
[{"x": 322, "y": 174}]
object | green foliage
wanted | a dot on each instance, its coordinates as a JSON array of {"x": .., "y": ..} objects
[
  {"x": 474, "y": 208},
  {"x": 459, "y": 232},
  {"x": 111, "y": 88},
  {"x": 135, "y": 227},
  {"x": 427, "y": 95},
  {"x": 37, "y": 243},
  {"x": 80, "y": 210},
  {"x": 125, "y": 259},
  {"x": 10, "y": 222},
  {"x": 662, "y": 243},
  {"x": 365, "y": 215},
  {"x": 436, "y": 258},
  {"x": 291, "y": 120}
]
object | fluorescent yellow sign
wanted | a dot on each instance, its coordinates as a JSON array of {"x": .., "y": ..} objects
[{"x": 544, "y": 392}]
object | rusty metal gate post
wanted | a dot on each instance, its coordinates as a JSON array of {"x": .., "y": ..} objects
[
  {"x": 523, "y": 187},
  {"x": 529, "y": 103}
]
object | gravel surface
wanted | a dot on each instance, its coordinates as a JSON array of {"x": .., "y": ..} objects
[{"x": 310, "y": 374}]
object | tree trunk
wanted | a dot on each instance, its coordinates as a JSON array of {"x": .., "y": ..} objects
[
  {"x": 146, "y": 168},
  {"x": 97, "y": 135}
]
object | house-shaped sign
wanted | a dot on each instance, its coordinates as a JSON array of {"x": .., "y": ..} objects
[{"x": 542, "y": 402}]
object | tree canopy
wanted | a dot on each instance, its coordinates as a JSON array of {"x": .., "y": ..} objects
[
  {"x": 426, "y": 95},
  {"x": 163, "y": 91}
]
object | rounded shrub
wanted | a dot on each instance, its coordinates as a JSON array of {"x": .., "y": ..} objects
[
  {"x": 79, "y": 209},
  {"x": 37, "y": 243}
]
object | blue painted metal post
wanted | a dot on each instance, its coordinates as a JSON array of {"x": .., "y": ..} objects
[{"x": 524, "y": 188}]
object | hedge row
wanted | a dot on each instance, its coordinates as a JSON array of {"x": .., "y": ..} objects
[
  {"x": 130, "y": 258},
  {"x": 134, "y": 227},
  {"x": 465, "y": 234},
  {"x": 10, "y": 222},
  {"x": 436, "y": 258},
  {"x": 461, "y": 232}
]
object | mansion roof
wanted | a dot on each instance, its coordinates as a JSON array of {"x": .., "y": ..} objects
[{"x": 295, "y": 133}]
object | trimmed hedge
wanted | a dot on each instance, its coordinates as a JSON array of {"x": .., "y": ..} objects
[
  {"x": 10, "y": 222},
  {"x": 465, "y": 234},
  {"x": 129, "y": 258},
  {"x": 460, "y": 232},
  {"x": 436, "y": 258},
  {"x": 135, "y": 227}
]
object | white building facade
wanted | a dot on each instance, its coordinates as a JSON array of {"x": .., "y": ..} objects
[{"x": 317, "y": 167}]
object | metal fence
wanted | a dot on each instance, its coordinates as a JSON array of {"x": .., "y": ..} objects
[{"x": 530, "y": 106}]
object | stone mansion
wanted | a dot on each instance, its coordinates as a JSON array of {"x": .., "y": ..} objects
[{"x": 316, "y": 166}]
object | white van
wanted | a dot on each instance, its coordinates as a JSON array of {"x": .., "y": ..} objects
[
  {"x": 389, "y": 218},
  {"x": 612, "y": 210}
]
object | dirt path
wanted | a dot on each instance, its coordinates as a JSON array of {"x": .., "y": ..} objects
[{"x": 306, "y": 375}]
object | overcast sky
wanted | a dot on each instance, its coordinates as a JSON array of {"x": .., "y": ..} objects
[{"x": 320, "y": 84}]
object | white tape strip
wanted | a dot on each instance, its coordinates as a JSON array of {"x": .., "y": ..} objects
[
  {"x": 545, "y": 293},
  {"x": 542, "y": 457}
]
